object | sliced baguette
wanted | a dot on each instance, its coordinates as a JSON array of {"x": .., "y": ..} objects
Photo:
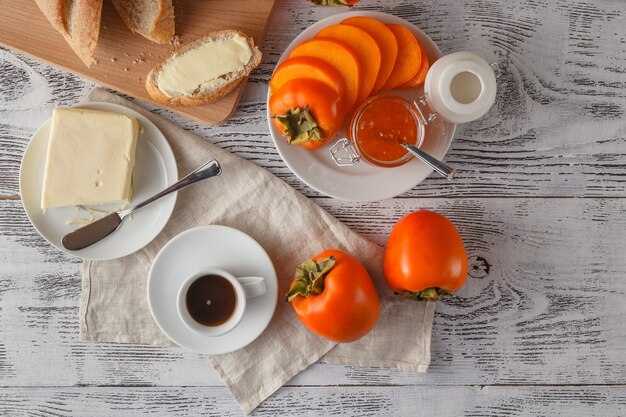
[
  {"x": 151, "y": 19},
  {"x": 230, "y": 81},
  {"x": 78, "y": 21}
]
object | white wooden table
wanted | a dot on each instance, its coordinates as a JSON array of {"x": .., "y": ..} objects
[{"x": 539, "y": 328}]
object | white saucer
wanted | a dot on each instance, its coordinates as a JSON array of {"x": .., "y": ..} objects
[
  {"x": 155, "y": 169},
  {"x": 362, "y": 182},
  {"x": 207, "y": 246}
]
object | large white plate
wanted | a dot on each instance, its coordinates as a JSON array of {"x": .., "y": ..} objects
[
  {"x": 202, "y": 247},
  {"x": 362, "y": 182},
  {"x": 155, "y": 169}
]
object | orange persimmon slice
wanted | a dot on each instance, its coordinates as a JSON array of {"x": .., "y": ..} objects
[
  {"x": 386, "y": 41},
  {"x": 421, "y": 74},
  {"x": 341, "y": 57},
  {"x": 409, "y": 57},
  {"x": 364, "y": 46},
  {"x": 311, "y": 68}
]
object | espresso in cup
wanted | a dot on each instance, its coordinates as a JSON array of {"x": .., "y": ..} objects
[{"x": 211, "y": 300}]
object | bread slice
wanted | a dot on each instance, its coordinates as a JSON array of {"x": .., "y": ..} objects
[
  {"x": 154, "y": 19},
  {"x": 78, "y": 21},
  {"x": 204, "y": 95}
]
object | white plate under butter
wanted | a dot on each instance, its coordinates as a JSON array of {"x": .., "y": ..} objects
[
  {"x": 203, "y": 247},
  {"x": 362, "y": 182},
  {"x": 155, "y": 169}
]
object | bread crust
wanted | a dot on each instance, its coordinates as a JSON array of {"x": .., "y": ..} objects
[
  {"x": 163, "y": 26},
  {"x": 163, "y": 29},
  {"x": 206, "y": 97},
  {"x": 79, "y": 23}
]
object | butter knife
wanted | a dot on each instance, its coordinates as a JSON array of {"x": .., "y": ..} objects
[{"x": 101, "y": 228}]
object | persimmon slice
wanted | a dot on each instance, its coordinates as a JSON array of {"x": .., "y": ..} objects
[
  {"x": 421, "y": 74},
  {"x": 311, "y": 68},
  {"x": 365, "y": 47},
  {"x": 409, "y": 57},
  {"x": 338, "y": 55},
  {"x": 386, "y": 41}
]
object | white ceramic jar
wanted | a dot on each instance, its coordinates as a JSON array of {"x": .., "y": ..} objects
[{"x": 460, "y": 87}]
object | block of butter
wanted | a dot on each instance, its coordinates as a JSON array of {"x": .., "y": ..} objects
[{"x": 90, "y": 159}]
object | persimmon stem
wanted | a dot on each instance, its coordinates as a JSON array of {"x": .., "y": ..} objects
[
  {"x": 309, "y": 277},
  {"x": 330, "y": 2},
  {"x": 429, "y": 294},
  {"x": 299, "y": 126}
]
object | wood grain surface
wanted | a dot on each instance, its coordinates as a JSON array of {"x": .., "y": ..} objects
[
  {"x": 346, "y": 401},
  {"x": 123, "y": 59},
  {"x": 540, "y": 202}
]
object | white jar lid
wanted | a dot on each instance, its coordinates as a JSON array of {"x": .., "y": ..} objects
[{"x": 460, "y": 87}]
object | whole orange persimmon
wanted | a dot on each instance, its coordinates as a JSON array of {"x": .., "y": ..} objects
[
  {"x": 425, "y": 258},
  {"x": 308, "y": 112},
  {"x": 334, "y": 296}
]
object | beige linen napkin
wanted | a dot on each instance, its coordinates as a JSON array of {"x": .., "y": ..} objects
[{"x": 290, "y": 228}]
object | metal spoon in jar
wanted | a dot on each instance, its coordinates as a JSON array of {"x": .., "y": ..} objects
[{"x": 441, "y": 168}]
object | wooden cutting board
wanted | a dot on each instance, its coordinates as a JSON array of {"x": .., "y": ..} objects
[{"x": 125, "y": 58}]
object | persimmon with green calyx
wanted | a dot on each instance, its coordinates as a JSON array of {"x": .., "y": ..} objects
[
  {"x": 334, "y": 2},
  {"x": 308, "y": 112},
  {"x": 425, "y": 258},
  {"x": 334, "y": 297}
]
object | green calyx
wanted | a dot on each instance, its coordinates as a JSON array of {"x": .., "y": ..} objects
[
  {"x": 309, "y": 278},
  {"x": 429, "y": 294},
  {"x": 299, "y": 126},
  {"x": 330, "y": 2}
]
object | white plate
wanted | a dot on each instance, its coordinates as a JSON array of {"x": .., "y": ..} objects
[
  {"x": 207, "y": 246},
  {"x": 155, "y": 169},
  {"x": 362, "y": 182}
]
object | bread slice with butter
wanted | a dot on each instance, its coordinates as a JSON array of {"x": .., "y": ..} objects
[
  {"x": 78, "y": 21},
  {"x": 151, "y": 19},
  {"x": 205, "y": 70}
]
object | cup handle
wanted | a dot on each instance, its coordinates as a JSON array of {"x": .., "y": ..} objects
[{"x": 253, "y": 286}]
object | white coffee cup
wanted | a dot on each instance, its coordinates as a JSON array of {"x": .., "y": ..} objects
[{"x": 245, "y": 287}]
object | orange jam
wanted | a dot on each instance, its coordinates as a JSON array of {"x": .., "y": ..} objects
[{"x": 380, "y": 125}]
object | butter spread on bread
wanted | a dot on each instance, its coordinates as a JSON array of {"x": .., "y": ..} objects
[
  {"x": 205, "y": 70},
  {"x": 203, "y": 67}
]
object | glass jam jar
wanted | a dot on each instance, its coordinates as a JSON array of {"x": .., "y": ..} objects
[
  {"x": 380, "y": 125},
  {"x": 378, "y": 128}
]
